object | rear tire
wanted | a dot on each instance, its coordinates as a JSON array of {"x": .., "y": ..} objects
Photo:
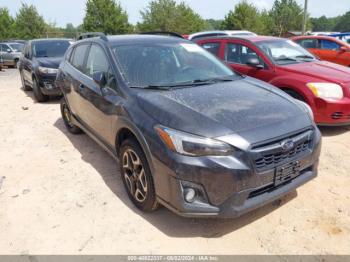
[
  {"x": 39, "y": 96},
  {"x": 137, "y": 176},
  {"x": 67, "y": 118}
]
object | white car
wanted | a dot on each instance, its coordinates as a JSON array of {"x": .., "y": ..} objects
[{"x": 221, "y": 33}]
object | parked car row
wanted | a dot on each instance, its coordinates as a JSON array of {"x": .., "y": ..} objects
[
  {"x": 190, "y": 133},
  {"x": 324, "y": 86}
]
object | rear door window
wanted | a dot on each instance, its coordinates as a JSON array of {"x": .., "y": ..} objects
[
  {"x": 308, "y": 43},
  {"x": 78, "y": 57},
  {"x": 213, "y": 47}
]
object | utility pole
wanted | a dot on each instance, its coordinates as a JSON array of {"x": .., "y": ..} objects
[{"x": 305, "y": 18}]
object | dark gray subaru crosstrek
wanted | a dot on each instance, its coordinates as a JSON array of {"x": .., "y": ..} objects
[{"x": 189, "y": 133}]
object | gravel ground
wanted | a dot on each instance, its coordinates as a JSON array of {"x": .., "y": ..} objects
[{"x": 62, "y": 194}]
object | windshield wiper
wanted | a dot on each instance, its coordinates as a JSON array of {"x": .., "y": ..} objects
[
  {"x": 305, "y": 56},
  {"x": 195, "y": 82},
  {"x": 154, "y": 87},
  {"x": 286, "y": 59},
  {"x": 223, "y": 79}
]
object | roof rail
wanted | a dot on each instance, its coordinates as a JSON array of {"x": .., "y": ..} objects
[
  {"x": 91, "y": 35},
  {"x": 162, "y": 33}
]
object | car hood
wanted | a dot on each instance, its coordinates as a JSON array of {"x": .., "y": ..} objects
[
  {"x": 225, "y": 108},
  {"x": 51, "y": 62},
  {"x": 322, "y": 70}
]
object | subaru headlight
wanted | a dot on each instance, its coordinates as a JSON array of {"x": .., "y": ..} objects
[
  {"x": 192, "y": 145},
  {"x": 326, "y": 90},
  {"x": 47, "y": 70}
]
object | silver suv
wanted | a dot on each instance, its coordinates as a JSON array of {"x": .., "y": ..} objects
[{"x": 10, "y": 53}]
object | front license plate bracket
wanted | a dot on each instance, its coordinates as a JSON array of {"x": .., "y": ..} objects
[{"x": 287, "y": 172}]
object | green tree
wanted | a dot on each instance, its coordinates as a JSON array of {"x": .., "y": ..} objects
[
  {"x": 52, "y": 30},
  {"x": 72, "y": 32},
  {"x": 322, "y": 24},
  {"x": 6, "y": 22},
  {"x": 245, "y": 16},
  {"x": 29, "y": 24},
  {"x": 167, "y": 15},
  {"x": 343, "y": 24},
  {"x": 212, "y": 24},
  {"x": 106, "y": 16},
  {"x": 266, "y": 23},
  {"x": 286, "y": 15}
]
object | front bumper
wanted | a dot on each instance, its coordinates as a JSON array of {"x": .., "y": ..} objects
[
  {"x": 329, "y": 113},
  {"x": 47, "y": 85},
  {"x": 225, "y": 187}
]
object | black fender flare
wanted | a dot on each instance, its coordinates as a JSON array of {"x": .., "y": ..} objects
[{"x": 125, "y": 123}]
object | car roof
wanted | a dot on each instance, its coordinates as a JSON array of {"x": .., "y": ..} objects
[
  {"x": 226, "y": 32},
  {"x": 10, "y": 43},
  {"x": 313, "y": 37},
  {"x": 331, "y": 38},
  {"x": 341, "y": 34},
  {"x": 50, "y": 39},
  {"x": 136, "y": 39},
  {"x": 250, "y": 38}
]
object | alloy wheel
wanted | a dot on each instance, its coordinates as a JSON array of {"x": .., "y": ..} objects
[{"x": 134, "y": 174}]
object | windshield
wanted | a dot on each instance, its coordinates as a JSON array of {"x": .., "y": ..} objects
[
  {"x": 50, "y": 48},
  {"x": 168, "y": 64},
  {"x": 285, "y": 52},
  {"x": 17, "y": 47}
]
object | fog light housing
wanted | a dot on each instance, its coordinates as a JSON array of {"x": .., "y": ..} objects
[
  {"x": 189, "y": 195},
  {"x": 48, "y": 85}
]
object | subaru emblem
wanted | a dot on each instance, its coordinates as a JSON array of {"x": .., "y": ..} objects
[{"x": 287, "y": 145}]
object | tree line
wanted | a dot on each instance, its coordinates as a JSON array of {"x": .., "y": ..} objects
[{"x": 109, "y": 17}]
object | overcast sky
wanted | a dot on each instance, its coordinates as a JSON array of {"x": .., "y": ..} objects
[{"x": 72, "y": 11}]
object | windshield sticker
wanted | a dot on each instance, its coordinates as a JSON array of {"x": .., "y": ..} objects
[
  {"x": 292, "y": 43},
  {"x": 192, "y": 47}
]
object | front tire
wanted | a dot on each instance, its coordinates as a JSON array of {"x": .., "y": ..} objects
[
  {"x": 39, "y": 96},
  {"x": 15, "y": 65},
  {"x": 136, "y": 176},
  {"x": 24, "y": 86},
  {"x": 67, "y": 118},
  {"x": 295, "y": 95}
]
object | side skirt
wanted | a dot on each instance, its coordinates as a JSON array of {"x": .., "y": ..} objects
[{"x": 92, "y": 135}]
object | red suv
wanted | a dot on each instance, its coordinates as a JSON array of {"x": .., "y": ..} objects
[{"x": 283, "y": 63}]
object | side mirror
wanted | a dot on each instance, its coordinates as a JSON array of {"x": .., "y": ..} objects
[
  {"x": 343, "y": 49},
  {"x": 8, "y": 50},
  {"x": 99, "y": 78},
  {"x": 254, "y": 62}
]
